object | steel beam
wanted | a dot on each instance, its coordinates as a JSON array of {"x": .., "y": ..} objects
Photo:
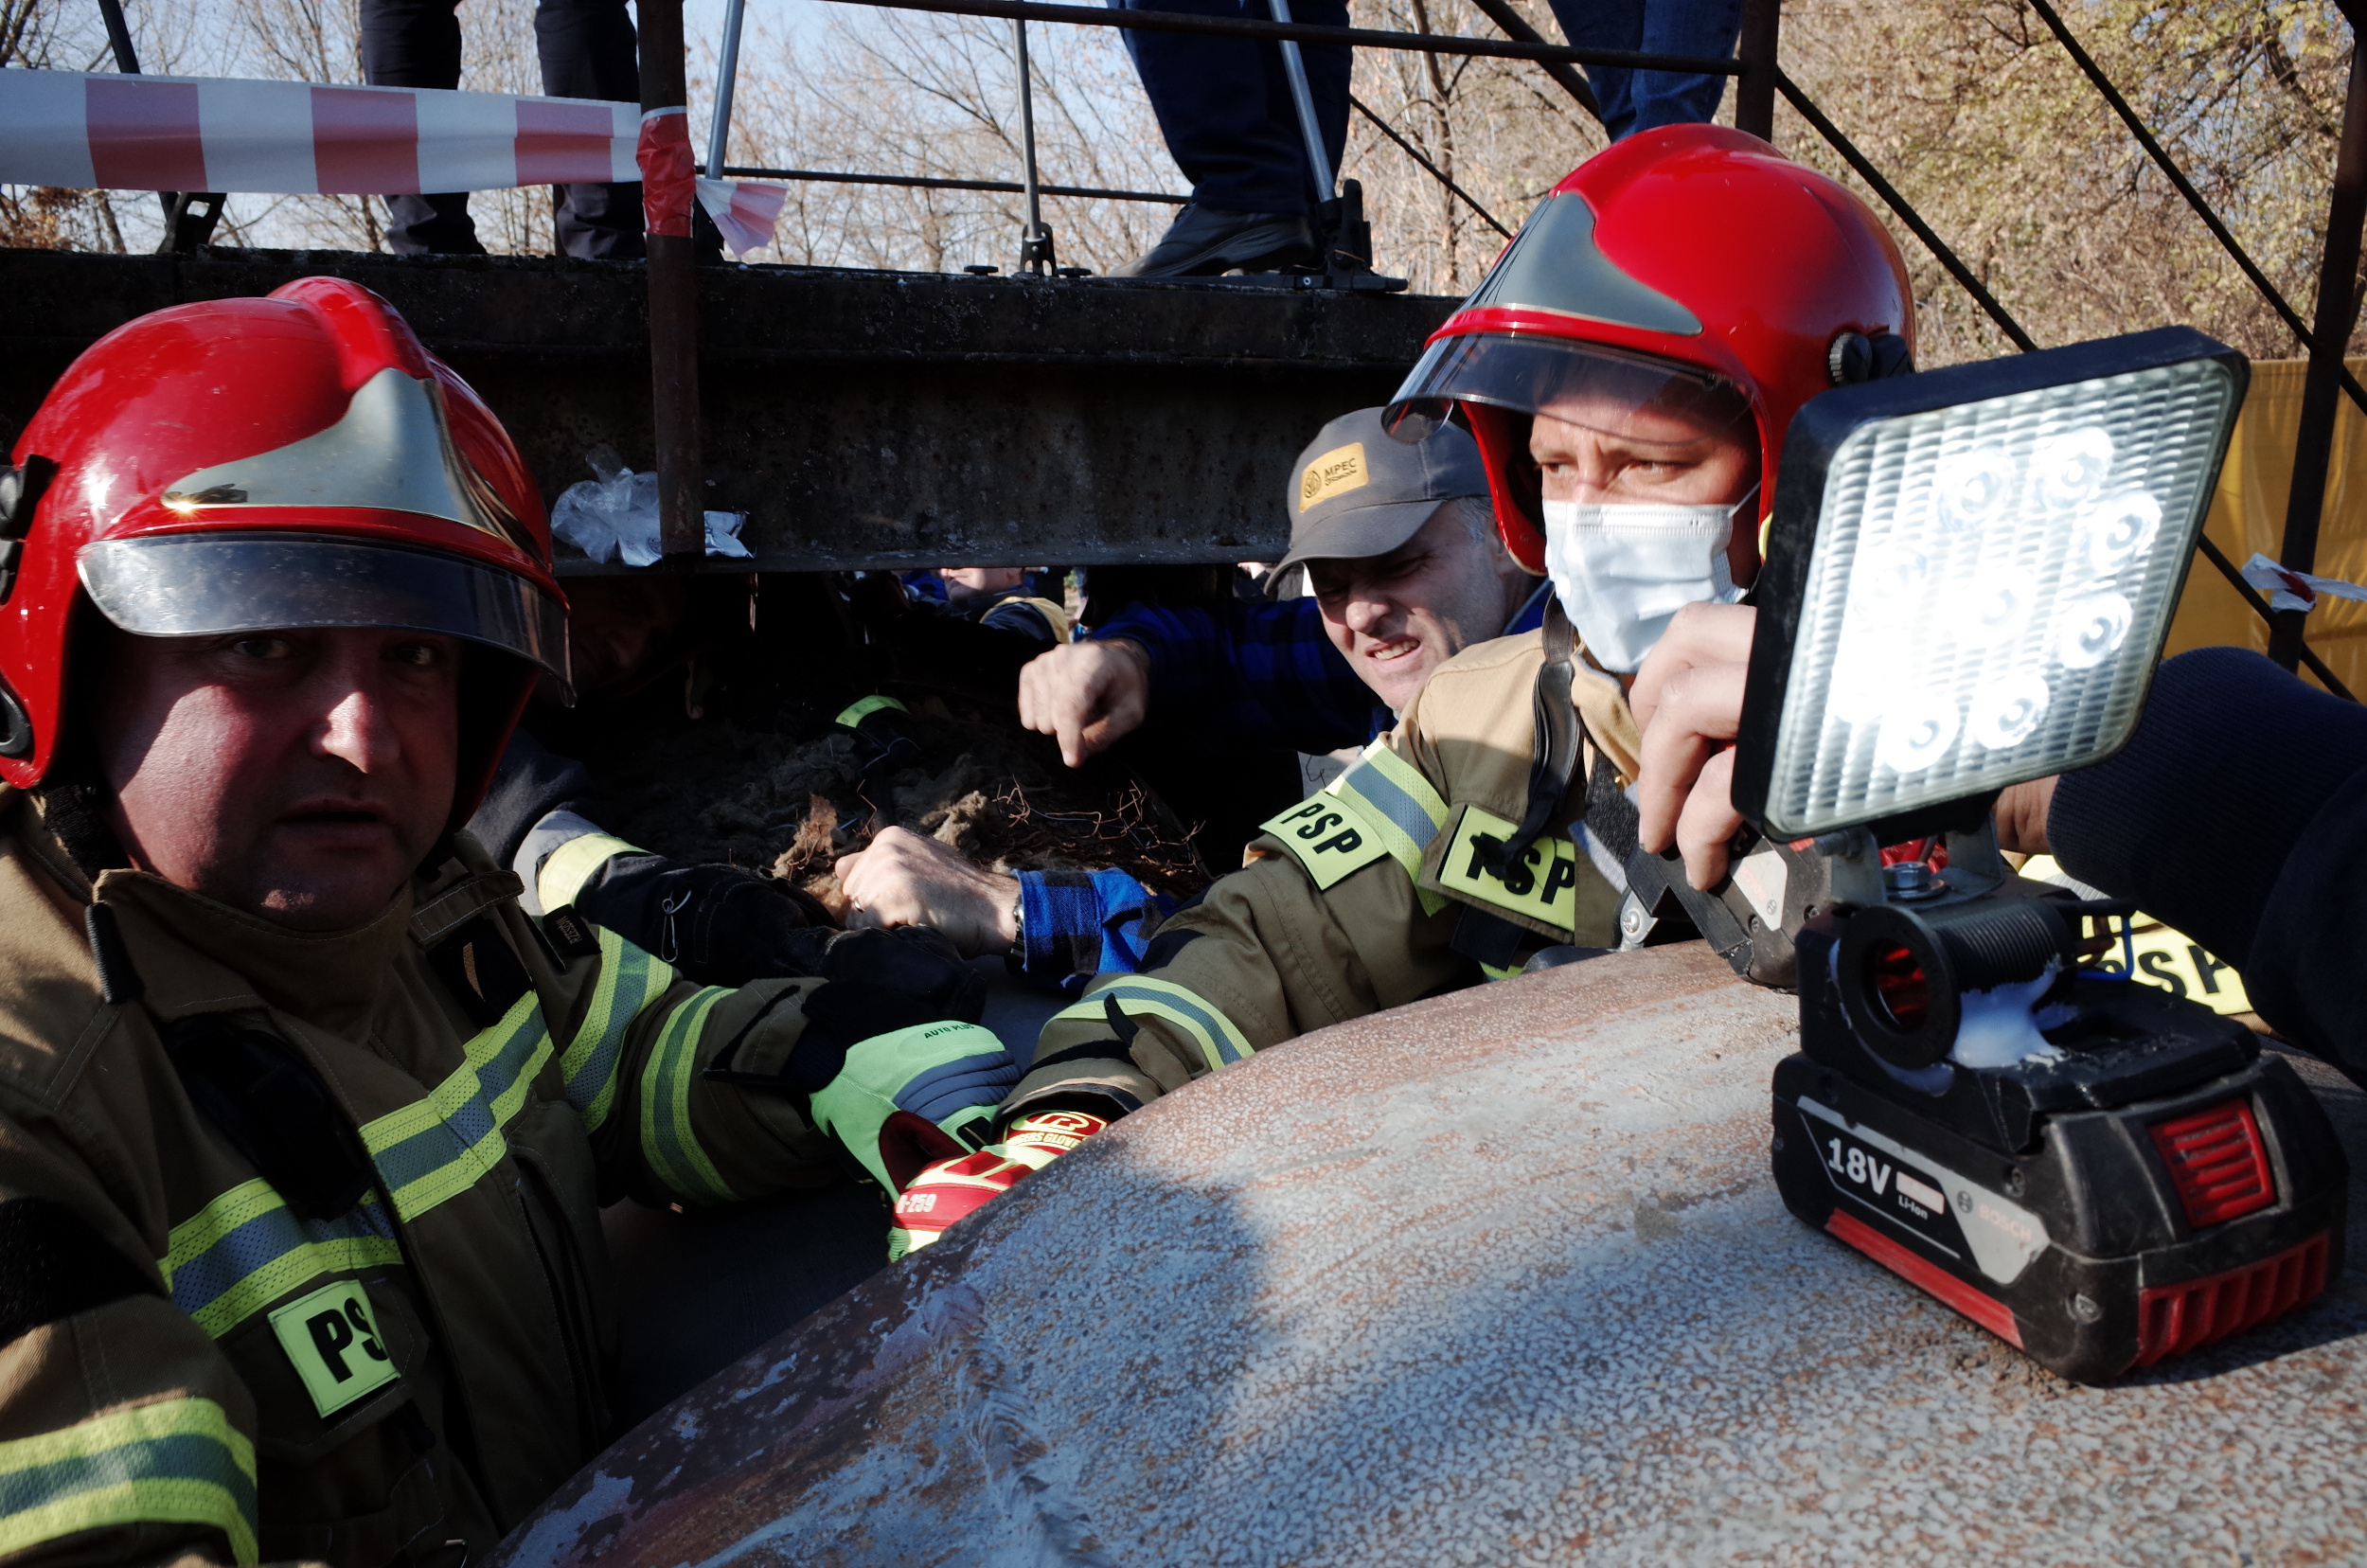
[
  {"x": 1755, "y": 90},
  {"x": 673, "y": 318},
  {"x": 2335, "y": 313},
  {"x": 861, "y": 419}
]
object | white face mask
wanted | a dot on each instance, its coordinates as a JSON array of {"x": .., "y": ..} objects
[{"x": 1622, "y": 570}]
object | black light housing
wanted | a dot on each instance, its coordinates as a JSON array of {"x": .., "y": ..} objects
[{"x": 1969, "y": 576}]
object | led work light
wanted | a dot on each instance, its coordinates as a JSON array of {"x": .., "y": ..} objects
[{"x": 1968, "y": 578}]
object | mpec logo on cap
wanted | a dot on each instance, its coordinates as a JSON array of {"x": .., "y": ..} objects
[{"x": 1335, "y": 473}]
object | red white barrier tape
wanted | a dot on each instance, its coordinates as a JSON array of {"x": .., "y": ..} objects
[
  {"x": 743, "y": 212},
  {"x": 2291, "y": 590},
  {"x": 122, "y": 133},
  {"x": 666, "y": 170}
]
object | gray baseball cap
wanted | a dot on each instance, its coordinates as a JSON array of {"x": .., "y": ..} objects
[{"x": 1355, "y": 492}]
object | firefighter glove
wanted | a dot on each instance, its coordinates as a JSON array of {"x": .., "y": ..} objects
[
  {"x": 898, "y": 1087},
  {"x": 953, "y": 1189}
]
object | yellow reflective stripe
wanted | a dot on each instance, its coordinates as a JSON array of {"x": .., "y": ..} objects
[
  {"x": 175, "y": 1462},
  {"x": 1220, "y": 1044},
  {"x": 668, "y": 1141},
  {"x": 247, "y": 1248},
  {"x": 629, "y": 980},
  {"x": 1409, "y": 812},
  {"x": 566, "y": 868},
  {"x": 856, "y": 712},
  {"x": 1397, "y": 791},
  {"x": 431, "y": 1150}
]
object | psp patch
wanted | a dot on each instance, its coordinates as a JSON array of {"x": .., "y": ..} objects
[
  {"x": 333, "y": 1337},
  {"x": 1540, "y": 893},
  {"x": 1331, "y": 837}
]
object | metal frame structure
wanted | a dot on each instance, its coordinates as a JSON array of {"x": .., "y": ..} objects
[{"x": 1760, "y": 81}]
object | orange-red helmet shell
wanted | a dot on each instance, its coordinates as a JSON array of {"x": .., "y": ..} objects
[
  {"x": 298, "y": 460},
  {"x": 1691, "y": 245}
]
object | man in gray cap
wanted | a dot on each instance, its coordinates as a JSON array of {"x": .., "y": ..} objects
[{"x": 1405, "y": 570}]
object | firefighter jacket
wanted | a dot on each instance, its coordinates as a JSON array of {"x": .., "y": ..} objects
[
  {"x": 1375, "y": 892},
  {"x": 391, "y": 1349}
]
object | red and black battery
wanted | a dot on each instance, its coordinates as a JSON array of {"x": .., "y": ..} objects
[{"x": 2145, "y": 1181}]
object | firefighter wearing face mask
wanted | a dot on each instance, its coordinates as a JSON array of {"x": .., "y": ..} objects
[{"x": 1628, "y": 368}]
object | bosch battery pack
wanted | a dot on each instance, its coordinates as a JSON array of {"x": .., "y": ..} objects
[{"x": 2145, "y": 1181}]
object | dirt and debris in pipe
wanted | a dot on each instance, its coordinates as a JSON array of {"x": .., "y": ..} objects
[{"x": 708, "y": 750}]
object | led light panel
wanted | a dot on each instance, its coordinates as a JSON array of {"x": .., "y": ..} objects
[{"x": 1988, "y": 588}]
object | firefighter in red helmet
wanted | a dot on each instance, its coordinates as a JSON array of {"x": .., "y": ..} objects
[
  {"x": 1628, "y": 367},
  {"x": 304, "y": 1123}
]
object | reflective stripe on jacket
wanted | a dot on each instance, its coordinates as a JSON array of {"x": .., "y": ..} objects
[
  {"x": 400, "y": 1381},
  {"x": 1349, "y": 900}
]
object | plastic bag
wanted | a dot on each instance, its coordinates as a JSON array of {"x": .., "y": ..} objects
[{"x": 616, "y": 515}]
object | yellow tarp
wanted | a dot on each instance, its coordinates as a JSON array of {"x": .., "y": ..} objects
[{"x": 2247, "y": 514}]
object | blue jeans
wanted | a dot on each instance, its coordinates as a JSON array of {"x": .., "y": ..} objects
[
  {"x": 1225, "y": 104},
  {"x": 1639, "y": 101}
]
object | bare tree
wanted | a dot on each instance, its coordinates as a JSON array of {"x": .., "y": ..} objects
[{"x": 1972, "y": 107}]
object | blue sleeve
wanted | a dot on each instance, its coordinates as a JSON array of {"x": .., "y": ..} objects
[
  {"x": 1257, "y": 674},
  {"x": 1024, "y": 618},
  {"x": 2237, "y": 813},
  {"x": 1076, "y": 924}
]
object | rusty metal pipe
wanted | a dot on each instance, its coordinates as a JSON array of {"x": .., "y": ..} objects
[
  {"x": 1500, "y": 1277},
  {"x": 2335, "y": 313},
  {"x": 673, "y": 314}
]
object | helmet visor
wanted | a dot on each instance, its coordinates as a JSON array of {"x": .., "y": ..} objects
[
  {"x": 206, "y": 584},
  {"x": 1585, "y": 385}
]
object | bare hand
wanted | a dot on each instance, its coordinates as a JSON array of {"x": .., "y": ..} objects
[
  {"x": 1688, "y": 704},
  {"x": 1087, "y": 693},
  {"x": 906, "y": 880},
  {"x": 2020, "y": 814}
]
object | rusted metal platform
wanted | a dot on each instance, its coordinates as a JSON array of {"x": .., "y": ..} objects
[
  {"x": 1500, "y": 1278},
  {"x": 861, "y": 419}
]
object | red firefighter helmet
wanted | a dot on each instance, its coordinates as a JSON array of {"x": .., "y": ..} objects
[
  {"x": 1691, "y": 266},
  {"x": 293, "y": 462}
]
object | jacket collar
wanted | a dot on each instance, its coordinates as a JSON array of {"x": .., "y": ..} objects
[{"x": 196, "y": 955}]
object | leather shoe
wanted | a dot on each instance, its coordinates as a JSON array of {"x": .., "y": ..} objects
[{"x": 1204, "y": 241}]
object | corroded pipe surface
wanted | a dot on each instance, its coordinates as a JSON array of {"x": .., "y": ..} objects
[{"x": 1500, "y": 1278}]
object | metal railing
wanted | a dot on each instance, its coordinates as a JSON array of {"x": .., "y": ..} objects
[{"x": 1760, "y": 81}]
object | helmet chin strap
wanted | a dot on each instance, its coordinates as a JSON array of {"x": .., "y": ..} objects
[{"x": 71, "y": 812}]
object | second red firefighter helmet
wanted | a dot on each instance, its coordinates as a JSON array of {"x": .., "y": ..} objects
[
  {"x": 1690, "y": 267},
  {"x": 297, "y": 460}
]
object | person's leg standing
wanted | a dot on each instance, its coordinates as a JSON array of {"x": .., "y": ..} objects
[
  {"x": 417, "y": 44},
  {"x": 1226, "y": 117},
  {"x": 1327, "y": 70},
  {"x": 1607, "y": 24},
  {"x": 1703, "y": 28},
  {"x": 588, "y": 50}
]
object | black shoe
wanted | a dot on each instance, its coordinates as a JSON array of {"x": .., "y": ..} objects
[{"x": 1204, "y": 241}]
